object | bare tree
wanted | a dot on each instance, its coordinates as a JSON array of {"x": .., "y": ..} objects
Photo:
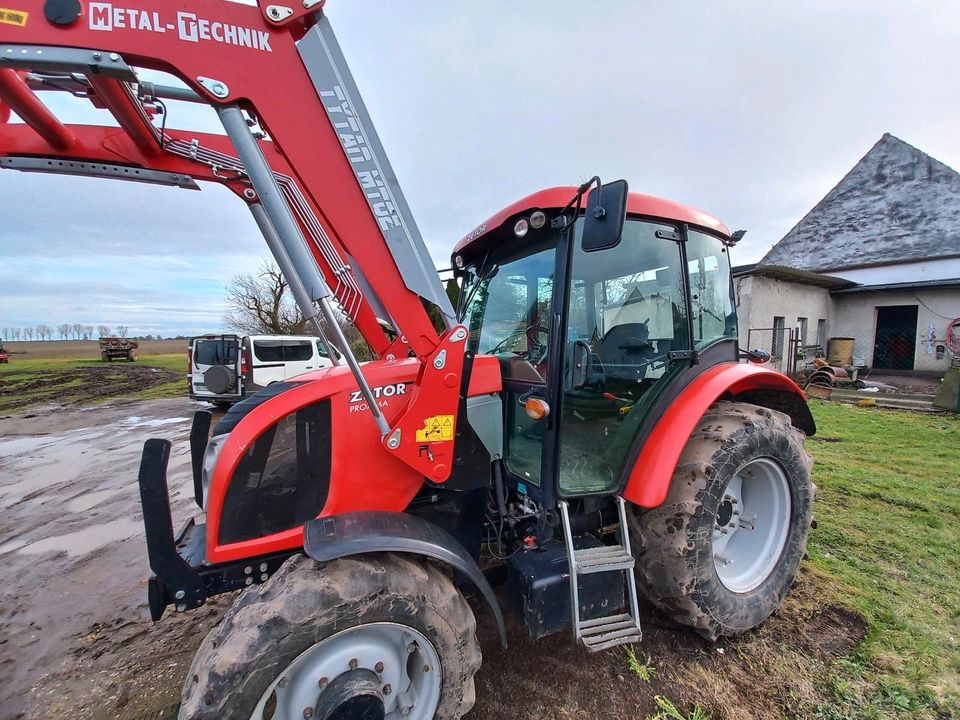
[
  {"x": 88, "y": 332},
  {"x": 28, "y": 333},
  {"x": 122, "y": 330},
  {"x": 103, "y": 330},
  {"x": 262, "y": 303},
  {"x": 63, "y": 330},
  {"x": 77, "y": 331},
  {"x": 44, "y": 331},
  {"x": 15, "y": 333}
]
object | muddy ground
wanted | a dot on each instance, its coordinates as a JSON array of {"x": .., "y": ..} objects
[
  {"x": 76, "y": 640},
  {"x": 81, "y": 385}
]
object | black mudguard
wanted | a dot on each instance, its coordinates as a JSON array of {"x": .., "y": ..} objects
[
  {"x": 199, "y": 432},
  {"x": 358, "y": 533},
  {"x": 182, "y": 576}
]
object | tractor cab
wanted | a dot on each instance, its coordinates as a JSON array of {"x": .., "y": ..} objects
[{"x": 593, "y": 332}]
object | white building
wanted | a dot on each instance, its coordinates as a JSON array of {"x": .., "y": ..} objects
[{"x": 876, "y": 260}]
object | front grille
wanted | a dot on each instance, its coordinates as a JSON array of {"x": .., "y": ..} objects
[{"x": 283, "y": 478}]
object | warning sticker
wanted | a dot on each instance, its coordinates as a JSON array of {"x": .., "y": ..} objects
[
  {"x": 438, "y": 428},
  {"x": 13, "y": 17}
]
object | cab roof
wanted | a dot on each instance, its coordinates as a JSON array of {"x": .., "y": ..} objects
[{"x": 558, "y": 197}]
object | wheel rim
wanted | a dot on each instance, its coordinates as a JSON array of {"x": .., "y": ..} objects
[
  {"x": 751, "y": 525},
  {"x": 405, "y": 663}
]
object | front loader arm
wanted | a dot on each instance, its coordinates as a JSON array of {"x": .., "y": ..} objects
[
  {"x": 229, "y": 55},
  {"x": 110, "y": 152},
  {"x": 314, "y": 174}
]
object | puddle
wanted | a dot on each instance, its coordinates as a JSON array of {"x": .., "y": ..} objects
[
  {"x": 12, "y": 494},
  {"x": 89, "y": 500},
  {"x": 140, "y": 422},
  {"x": 86, "y": 540},
  {"x": 12, "y": 545},
  {"x": 26, "y": 444}
]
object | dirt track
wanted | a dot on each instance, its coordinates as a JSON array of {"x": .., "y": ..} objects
[
  {"x": 75, "y": 636},
  {"x": 76, "y": 639}
]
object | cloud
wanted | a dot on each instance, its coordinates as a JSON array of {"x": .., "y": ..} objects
[{"x": 751, "y": 111}]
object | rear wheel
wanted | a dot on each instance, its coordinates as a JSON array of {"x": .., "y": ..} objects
[
  {"x": 722, "y": 551},
  {"x": 367, "y": 637}
]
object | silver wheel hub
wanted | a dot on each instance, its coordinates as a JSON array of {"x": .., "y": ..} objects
[
  {"x": 405, "y": 664},
  {"x": 751, "y": 525}
]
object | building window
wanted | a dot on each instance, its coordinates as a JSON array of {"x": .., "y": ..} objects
[
  {"x": 822, "y": 334},
  {"x": 802, "y": 330},
  {"x": 778, "y": 325}
]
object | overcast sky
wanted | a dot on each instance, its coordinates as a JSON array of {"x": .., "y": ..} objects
[{"x": 749, "y": 110}]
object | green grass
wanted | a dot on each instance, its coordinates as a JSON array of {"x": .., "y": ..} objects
[
  {"x": 642, "y": 668},
  {"x": 889, "y": 540},
  {"x": 17, "y": 367},
  {"x": 667, "y": 710}
]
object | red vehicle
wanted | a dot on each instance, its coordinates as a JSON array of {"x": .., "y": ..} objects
[
  {"x": 583, "y": 414},
  {"x": 4, "y": 355}
]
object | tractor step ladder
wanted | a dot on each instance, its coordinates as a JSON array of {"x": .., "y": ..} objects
[{"x": 604, "y": 632}]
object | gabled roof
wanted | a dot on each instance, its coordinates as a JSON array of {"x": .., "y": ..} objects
[{"x": 897, "y": 204}]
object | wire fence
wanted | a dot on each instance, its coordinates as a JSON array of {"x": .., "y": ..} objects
[{"x": 777, "y": 341}]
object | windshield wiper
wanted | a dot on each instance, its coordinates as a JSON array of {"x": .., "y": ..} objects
[{"x": 482, "y": 276}]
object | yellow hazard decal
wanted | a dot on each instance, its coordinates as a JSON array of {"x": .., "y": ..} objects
[
  {"x": 438, "y": 428},
  {"x": 13, "y": 17}
]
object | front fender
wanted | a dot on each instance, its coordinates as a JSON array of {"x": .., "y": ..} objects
[
  {"x": 650, "y": 476},
  {"x": 369, "y": 531}
]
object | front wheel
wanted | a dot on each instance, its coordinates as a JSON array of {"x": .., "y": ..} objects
[
  {"x": 378, "y": 637},
  {"x": 722, "y": 551}
]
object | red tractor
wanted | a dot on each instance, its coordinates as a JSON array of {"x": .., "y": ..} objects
[
  {"x": 583, "y": 417},
  {"x": 4, "y": 355}
]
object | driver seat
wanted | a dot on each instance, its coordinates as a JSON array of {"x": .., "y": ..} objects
[{"x": 626, "y": 350}]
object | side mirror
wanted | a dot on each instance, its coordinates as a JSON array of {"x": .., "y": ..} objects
[
  {"x": 606, "y": 212},
  {"x": 756, "y": 356}
]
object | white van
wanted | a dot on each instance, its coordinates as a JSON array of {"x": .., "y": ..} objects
[{"x": 224, "y": 369}]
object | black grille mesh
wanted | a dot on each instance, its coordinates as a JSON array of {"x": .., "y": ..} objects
[{"x": 282, "y": 480}]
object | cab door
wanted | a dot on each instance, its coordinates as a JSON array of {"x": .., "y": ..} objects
[
  {"x": 626, "y": 338},
  {"x": 638, "y": 315}
]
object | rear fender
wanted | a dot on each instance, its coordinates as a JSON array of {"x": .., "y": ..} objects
[
  {"x": 650, "y": 476},
  {"x": 359, "y": 533}
]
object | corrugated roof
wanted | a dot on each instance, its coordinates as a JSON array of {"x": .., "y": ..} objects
[
  {"x": 789, "y": 274},
  {"x": 922, "y": 285},
  {"x": 897, "y": 204}
]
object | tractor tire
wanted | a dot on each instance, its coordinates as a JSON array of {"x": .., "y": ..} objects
[
  {"x": 104, "y": 357},
  {"x": 131, "y": 356},
  {"x": 722, "y": 551},
  {"x": 274, "y": 630}
]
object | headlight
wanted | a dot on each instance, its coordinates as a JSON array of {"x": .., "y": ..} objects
[
  {"x": 210, "y": 456},
  {"x": 521, "y": 227}
]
